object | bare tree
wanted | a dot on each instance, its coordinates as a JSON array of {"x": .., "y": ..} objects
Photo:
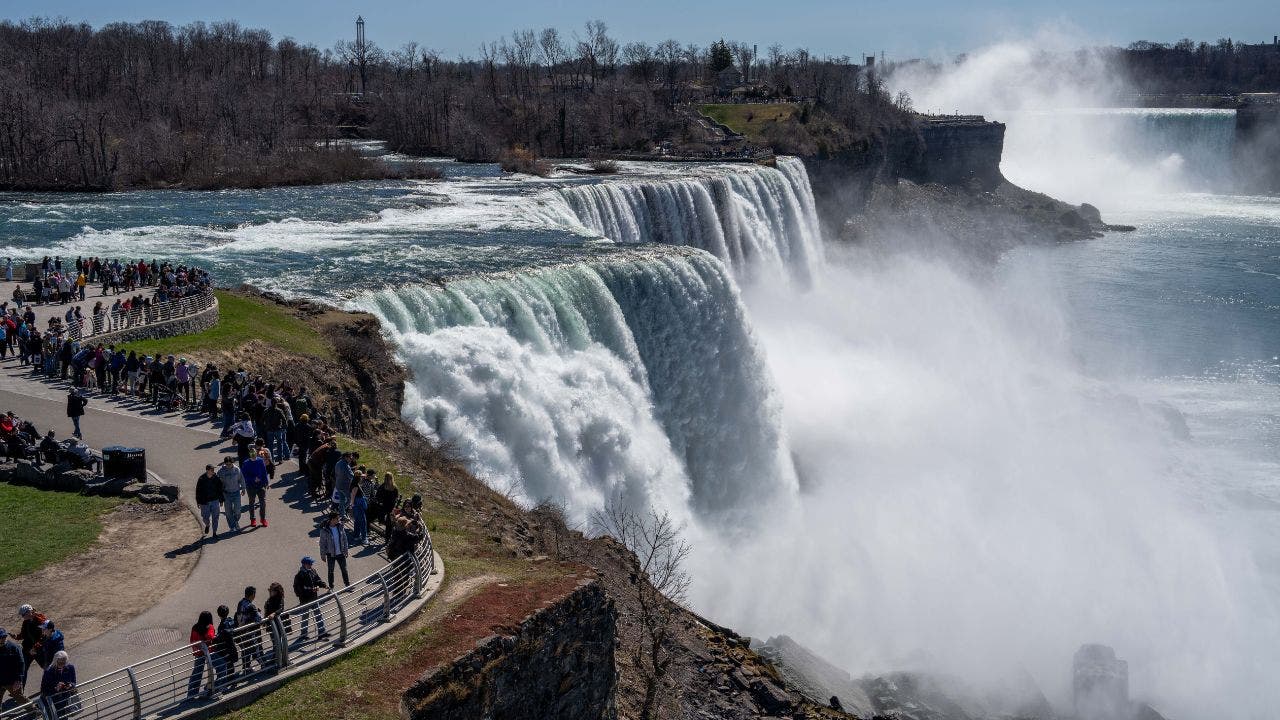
[{"x": 659, "y": 584}]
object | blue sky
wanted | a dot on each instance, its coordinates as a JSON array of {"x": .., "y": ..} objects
[{"x": 923, "y": 27}]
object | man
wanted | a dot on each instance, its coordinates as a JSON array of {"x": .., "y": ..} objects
[
  {"x": 307, "y": 585},
  {"x": 48, "y": 450},
  {"x": 12, "y": 671},
  {"x": 254, "y": 470},
  {"x": 29, "y": 636},
  {"x": 51, "y": 643},
  {"x": 334, "y": 547},
  {"x": 232, "y": 488},
  {"x": 250, "y": 638},
  {"x": 76, "y": 403},
  {"x": 208, "y": 497},
  {"x": 343, "y": 477}
]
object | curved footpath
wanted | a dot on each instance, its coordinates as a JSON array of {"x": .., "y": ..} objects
[{"x": 178, "y": 447}]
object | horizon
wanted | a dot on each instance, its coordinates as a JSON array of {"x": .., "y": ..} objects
[{"x": 818, "y": 25}]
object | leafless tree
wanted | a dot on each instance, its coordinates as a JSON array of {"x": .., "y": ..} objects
[{"x": 659, "y": 584}]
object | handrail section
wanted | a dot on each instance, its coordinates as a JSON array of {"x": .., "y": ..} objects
[
  {"x": 113, "y": 321},
  {"x": 189, "y": 676}
]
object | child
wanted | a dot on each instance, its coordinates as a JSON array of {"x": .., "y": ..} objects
[{"x": 359, "y": 516}]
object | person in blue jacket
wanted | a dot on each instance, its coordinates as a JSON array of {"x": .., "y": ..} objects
[{"x": 254, "y": 469}]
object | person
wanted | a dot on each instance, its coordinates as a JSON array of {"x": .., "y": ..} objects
[
  {"x": 274, "y": 605},
  {"x": 51, "y": 642},
  {"x": 12, "y": 670},
  {"x": 334, "y": 546},
  {"x": 48, "y": 450},
  {"x": 202, "y": 637},
  {"x": 209, "y": 491},
  {"x": 404, "y": 537},
  {"x": 343, "y": 477},
  {"x": 58, "y": 685},
  {"x": 254, "y": 470},
  {"x": 76, "y": 401},
  {"x": 250, "y": 638},
  {"x": 307, "y": 585},
  {"x": 384, "y": 502},
  {"x": 232, "y": 488},
  {"x": 225, "y": 651},
  {"x": 359, "y": 516},
  {"x": 29, "y": 636},
  {"x": 243, "y": 434}
]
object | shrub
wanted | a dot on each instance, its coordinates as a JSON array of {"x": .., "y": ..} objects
[{"x": 523, "y": 160}]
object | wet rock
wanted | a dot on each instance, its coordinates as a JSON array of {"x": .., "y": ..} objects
[
  {"x": 25, "y": 473},
  {"x": 68, "y": 480}
]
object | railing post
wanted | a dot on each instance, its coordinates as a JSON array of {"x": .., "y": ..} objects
[
  {"x": 281, "y": 641},
  {"x": 209, "y": 669},
  {"x": 417, "y": 574},
  {"x": 342, "y": 620},
  {"x": 137, "y": 693},
  {"x": 386, "y": 596}
]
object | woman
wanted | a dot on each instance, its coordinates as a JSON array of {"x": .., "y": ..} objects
[
  {"x": 58, "y": 685},
  {"x": 202, "y": 637},
  {"x": 274, "y": 605},
  {"x": 384, "y": 501}
]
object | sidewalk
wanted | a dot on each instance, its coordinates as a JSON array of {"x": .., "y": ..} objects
[{"x": 178, "y": 447}]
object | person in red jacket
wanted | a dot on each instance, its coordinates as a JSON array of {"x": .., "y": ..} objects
[{"x": 202, "y": 637}]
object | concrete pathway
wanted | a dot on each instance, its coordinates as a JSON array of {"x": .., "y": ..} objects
[
  {"x": 178, "y": 446},
  {"x": 92, "y": 295}
]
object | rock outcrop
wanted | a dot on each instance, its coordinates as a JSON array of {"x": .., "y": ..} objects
[
  {"x": 64, "y": 478},
  {"x": 959, "y": 150},
  {"x": 558, "y": 663}
]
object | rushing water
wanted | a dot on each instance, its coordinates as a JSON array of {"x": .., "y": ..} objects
[{"x": 898, "y": 462}]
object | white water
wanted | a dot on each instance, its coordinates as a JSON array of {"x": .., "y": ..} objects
[{"x": 758, "y": 222}]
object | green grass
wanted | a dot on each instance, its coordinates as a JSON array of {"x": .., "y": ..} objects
[
  {"x": 749, "y": 118},
  {"x": 241, "y": 319},
  {"x": 42, "y": 527}
]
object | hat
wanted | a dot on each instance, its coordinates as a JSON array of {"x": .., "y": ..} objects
[
  {"x": 23, "y": 610},
  {"x": 307, "y": 560},
  {"x": 46, "y": 625}
]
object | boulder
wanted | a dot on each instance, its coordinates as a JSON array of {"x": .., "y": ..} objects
[
  {"x": 68, "y": 480},
  {"x": 168, "y": 491},
  {"x": 772, "y": 698},
  {"x": 107, "y": 487},
  {"x": 154, "y": 498},
  {"x": 131, "y": 489},
  {"x": 1090, "y": 213},
  {"x": 25, "y": 473}
]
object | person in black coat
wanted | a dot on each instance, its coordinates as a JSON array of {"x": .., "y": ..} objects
[
  {"x": 76, "y": 402},
  {"x": 12, "y": 669},
  {"x": 307, "y": 586},
  {"x": 209, "y": 498}
]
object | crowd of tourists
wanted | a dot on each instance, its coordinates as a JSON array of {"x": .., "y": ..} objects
[
  {"x": 38, "y": 642},
  {"x": 56, "y": 285}
]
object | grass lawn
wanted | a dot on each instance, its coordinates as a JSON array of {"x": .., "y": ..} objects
[
  {"x": 749, "y": 118},
  {"x": 241, "y": 319},
  {"x": 42, "y": 527}
]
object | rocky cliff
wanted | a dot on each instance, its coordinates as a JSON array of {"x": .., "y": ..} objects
[
  {"x": 1257, "y": 144},
  {"x": 959, "y": 150},
  {"x": 558, "y": 663}
]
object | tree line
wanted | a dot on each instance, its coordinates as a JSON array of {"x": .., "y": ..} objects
[
  {"x": 1190, "y": 67},
  {"x": 217, "y": 104}
]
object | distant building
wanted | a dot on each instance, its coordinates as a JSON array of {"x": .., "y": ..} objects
[{"x": 727, "y": 80}]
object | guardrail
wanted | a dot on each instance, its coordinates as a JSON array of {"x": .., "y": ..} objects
[
  {"x": 110, "y": 322},
  {"x": 195, "y": 675}
]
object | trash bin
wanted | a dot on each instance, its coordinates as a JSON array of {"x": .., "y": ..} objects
[{"x": 127, "y": 462}]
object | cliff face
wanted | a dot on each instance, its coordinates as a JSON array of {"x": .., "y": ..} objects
[
  {"x": 964, "y": 149},
  {"x": 1257, "y": 144},
  {"x": 557, "y": 664}
]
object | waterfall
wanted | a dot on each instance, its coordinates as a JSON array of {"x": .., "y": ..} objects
[
  {"x": 637, "y": 376},
  {"x": 760, "y": 221}
]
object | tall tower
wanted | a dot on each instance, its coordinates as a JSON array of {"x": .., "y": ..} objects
[{"x": 361, "y": 52}]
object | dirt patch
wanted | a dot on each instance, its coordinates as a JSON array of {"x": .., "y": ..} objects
[{"x": 98, "y": 589}]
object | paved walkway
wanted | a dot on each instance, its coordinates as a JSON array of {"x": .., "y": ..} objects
[
  {"x": 92, "y": 295},
  {"x": 178, "y": 446}
]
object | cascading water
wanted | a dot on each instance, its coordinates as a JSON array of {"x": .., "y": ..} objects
[
  {"x": 573, "y": 382},
  {"x": 759, "y": 221}
]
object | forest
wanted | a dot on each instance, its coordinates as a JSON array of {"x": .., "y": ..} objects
[
  {"x": 1224, "y": 67},
  {"x": 211, "y": 105}
]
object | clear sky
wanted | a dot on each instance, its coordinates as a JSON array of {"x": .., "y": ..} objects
[{"x": 902, "y": 29}]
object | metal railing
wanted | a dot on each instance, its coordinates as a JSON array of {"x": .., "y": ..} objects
[
  {"x": 115, "y": 321},
  {"x": 196, "y": 675}
]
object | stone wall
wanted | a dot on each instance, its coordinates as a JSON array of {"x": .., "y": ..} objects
[
  {"x": 198, "y": 322},
  {"x": 557, "y": 664}
]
